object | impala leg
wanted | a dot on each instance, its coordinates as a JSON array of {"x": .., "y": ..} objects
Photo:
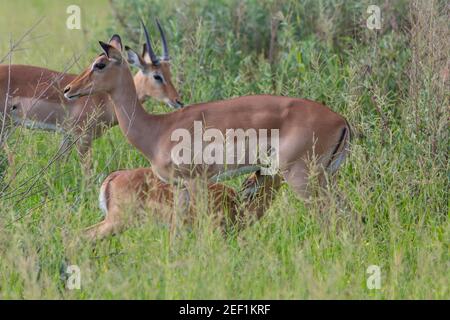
[
  {"x": 297, "y": 178},
  {"x": 113, "y": 223},
  {"x": 103, "y": 229}
]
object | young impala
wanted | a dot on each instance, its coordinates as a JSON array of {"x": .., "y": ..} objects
[
  {"x": 306, "y": 129},
  {"x": 33, "y": 97},
  {"x": 124, "y": 194}
]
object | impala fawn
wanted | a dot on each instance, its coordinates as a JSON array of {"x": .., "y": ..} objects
[{"x": 126, "y": 194}]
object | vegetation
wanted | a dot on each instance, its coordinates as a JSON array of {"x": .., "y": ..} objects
[{"x": 388, "y": 205}]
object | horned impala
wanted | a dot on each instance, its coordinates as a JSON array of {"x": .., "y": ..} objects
[
  {"x": 127, "y": 193},
  {"x": 35, "y": 98},
  {"x": 307, "y": 129}
]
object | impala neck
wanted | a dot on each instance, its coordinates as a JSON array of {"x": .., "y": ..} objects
[{"x": 136, "y": 124}]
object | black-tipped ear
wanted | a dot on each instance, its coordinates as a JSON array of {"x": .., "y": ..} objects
[
  {"x": 106, "y": 47},
  {"x": 111, "y": 52},
  {"x": 116, "y": 42}
]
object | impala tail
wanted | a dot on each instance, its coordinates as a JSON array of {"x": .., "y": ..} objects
[{"x": 342, "y": 148}]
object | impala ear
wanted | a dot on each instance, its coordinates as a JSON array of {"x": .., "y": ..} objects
[
  {"x": 111, "y": 52},
  {"x": 134, "y": 59},
  {"x": 116, "y": 42}
]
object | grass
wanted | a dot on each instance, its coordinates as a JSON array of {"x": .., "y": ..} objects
[{"x": 387, "y": 207}]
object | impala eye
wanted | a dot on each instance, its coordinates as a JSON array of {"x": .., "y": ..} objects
[
  {"x": 99, "y": 66},
  {"x": 157, "y": 77}
]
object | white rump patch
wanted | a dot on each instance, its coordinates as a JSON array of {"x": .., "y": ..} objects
[{"x": 102, "y": 202}]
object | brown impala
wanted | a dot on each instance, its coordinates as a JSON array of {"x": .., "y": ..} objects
[
  {"x": 122, "y": 192},
  {"x": 306, "y": 129},
  {"x": 36, "y": 100}
]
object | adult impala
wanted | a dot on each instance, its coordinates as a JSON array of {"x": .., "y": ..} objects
[
  {"x": 307, "y": 129},
  {"x": 127, "y": 194},
  {"x": 33, "y": 97}
]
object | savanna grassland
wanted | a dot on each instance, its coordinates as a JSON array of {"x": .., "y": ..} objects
[{"x": 387, "y": 206}]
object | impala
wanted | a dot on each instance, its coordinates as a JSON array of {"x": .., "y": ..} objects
[
  {"x": 307, "y": 130},
  {"x": 32, "y": 97},
  {"x": 126, "y": 193}
]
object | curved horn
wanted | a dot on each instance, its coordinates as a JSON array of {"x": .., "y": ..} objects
[
  {"x": 151, "y": 53},
  {"x": 164, "y": 42}
]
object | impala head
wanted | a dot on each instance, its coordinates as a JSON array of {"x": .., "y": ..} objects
[
  {"x": 103, "y": 74},
  {"x": 154, "y": 78},
  {"x": 109, "y": 68}
]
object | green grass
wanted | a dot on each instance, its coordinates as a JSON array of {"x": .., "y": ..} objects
[{"x": 387, "y": 207}]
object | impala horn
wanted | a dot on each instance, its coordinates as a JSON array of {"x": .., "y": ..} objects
[
  {"x": 154, "y": 59},
  {"x": 165, "y": 56}
]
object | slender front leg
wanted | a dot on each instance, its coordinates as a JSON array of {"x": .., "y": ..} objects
[{"x": 297, "y": 177}]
